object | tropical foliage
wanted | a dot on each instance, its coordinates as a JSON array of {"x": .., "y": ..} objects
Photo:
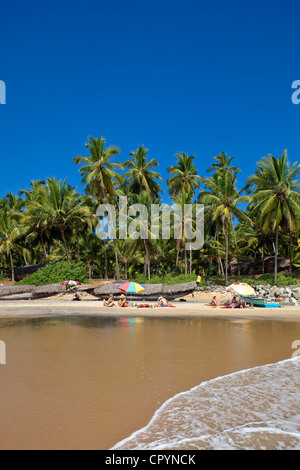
[{"x": 55, "y": 224}]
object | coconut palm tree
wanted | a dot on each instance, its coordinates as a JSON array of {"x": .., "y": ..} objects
[
  {"x": 62, "y": 207},
  {"x": 222, "y": 162},
  {"x": 221, "y": 199},
  {"x": 184, "y": 175},
  {"x": 276, "y": 196},
  {"x": 35, "y": 220},
  {"x": 9, "y": 234},
  {"x": 99, "y": 173},
  {"x": 140, "y": 175}
]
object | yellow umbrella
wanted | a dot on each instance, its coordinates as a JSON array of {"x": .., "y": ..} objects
[{"x": 241, "y": 288}]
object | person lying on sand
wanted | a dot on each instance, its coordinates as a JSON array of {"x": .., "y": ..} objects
[
  {"x": 162, "y": 302},
  {"x": 145, "y": 306},
  {"x": 214, "y": 302},
  {"x": 110, "y": 302},
  {"x": 123, "y": 301}
]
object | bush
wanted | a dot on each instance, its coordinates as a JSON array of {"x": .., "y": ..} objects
[
  {"x": 166, "y": 279},
  {"x": 283, "y": 279},
  {"x": 54, "y": 273}
]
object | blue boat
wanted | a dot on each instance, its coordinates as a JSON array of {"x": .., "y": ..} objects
[{"x": 258, "y": 301}]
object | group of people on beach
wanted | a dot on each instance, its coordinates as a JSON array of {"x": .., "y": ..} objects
[
  {"x": 233, "y": 303},
  {"x": 162, "y": 302}
]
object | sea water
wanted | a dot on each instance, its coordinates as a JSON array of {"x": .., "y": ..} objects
[
  {"x": 257, "y": 408},
  {"x": 95, "y": 383}
]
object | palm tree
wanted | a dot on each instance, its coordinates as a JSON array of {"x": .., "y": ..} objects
[
  {"x": 35, "y": 220},
  {"x": 182, "y": 200},
  {"x": 276, "y": 196},
  {"x": 222, "y": 198},
  {"x": 62, "y": 207},
  {"x": 9, "y": 233},
  {"x": 140, "y": 175},
  {"x": 222, "y": 162},
  {"x": 184, "y": 175},
  {"x": 99, "y": 173}
]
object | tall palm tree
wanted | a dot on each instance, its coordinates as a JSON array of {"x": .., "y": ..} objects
[
  {"x": 140, "y": 175},
  {"x": 184, "y": 175},
  {"x": 182, "y": 200},
  {"x": 276, "y": 196},
  {"x": 9, "y": 233},
  {"x": 99, "y": 173},
  {"x": 62, "y": 207},
  {"x": 35, "y": 220},
  {"x": 222, "y": 198}
]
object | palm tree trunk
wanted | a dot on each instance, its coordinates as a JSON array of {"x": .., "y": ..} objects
[
  {"x": 185, "y": 261},
  {"x": 226, "y": 256},
  {"x": 12, "y": 267},
  {"x": 105, "y": 260},
  {"x": 291, "y": 263},
  {"x": 147, "y": 259},
  {"x": 117, "y": 261},
  {"x": 276, "y": 253},
  {"x": 44, "y": 248},
  {"x": 65, "y": 244}
]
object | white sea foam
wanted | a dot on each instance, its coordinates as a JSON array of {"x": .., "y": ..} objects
[{"x": 256, "y": 408}]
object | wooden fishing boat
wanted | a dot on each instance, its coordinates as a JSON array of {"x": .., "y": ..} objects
[{"x": 258, "y": 301}]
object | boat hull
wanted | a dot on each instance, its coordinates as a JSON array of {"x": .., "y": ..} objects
[{"x": 257, "y": 301}]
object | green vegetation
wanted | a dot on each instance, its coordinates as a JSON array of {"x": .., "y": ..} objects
[
  {"x": 166, "y": 279},
  {"x": 54, "y": 273},
  {"x": 54, "y": 223}
]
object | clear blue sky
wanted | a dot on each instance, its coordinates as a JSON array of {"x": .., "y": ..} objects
[{"x": 173, "y": 75}]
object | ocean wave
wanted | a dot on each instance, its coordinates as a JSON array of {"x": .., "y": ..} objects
[{"x": 256, "y": 408}]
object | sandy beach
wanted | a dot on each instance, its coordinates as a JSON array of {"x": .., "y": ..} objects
[{"x": 193, "y": 307}]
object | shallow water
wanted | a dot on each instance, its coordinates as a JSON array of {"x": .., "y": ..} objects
[{"x": 90, "y": 382}]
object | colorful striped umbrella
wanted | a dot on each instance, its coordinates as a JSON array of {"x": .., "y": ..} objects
[
  {"x": 241, "y": 288},
  {"x": 131, "y": 288}
]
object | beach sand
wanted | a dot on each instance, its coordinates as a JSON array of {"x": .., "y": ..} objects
[{"x": 192, "y": 307}]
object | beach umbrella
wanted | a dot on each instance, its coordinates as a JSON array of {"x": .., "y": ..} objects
[
  {"x": 71, "y": 283},
  {"x": 131, "y": 288},
  {"x": 241, "y": 288}
]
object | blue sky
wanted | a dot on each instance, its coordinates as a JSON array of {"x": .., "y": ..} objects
[{"x": 193, "y": 76}]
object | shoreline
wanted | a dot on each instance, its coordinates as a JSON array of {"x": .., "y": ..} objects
[{"x": 67, "y": 308}]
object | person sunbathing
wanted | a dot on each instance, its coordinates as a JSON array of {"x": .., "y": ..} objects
[
  {"x": 162, "y": 302},
  {"x": 110, "y": 302},
  {"x": 231, "y": 303},
  {"x": 123, "y": 301},
  {"x": 214, "y": 302}
]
